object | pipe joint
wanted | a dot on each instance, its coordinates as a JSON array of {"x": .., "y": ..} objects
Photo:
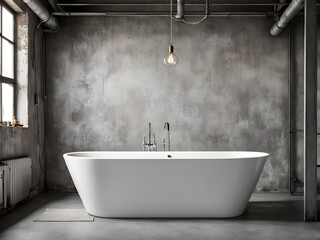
[
  {"x": 291, "y": 11},
  {"x": 180, "y": 10},
  {"x": 43, "y": 14}
]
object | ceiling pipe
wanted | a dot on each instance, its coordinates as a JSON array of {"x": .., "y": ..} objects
[
  {"x": 163, "y": 14},
  {"x": 43, "y": 14},
  {"x": 180, "y": 10},
  {"x": 291, "y": 11},
  {"x": 168, "y": 4},
  {"x": 53, "y": 5}
]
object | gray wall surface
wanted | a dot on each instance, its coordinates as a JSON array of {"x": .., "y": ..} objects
[
  {"x": 297, "y": 104},
  {"x": 106, "y": 80},
  {"x": 21, "y": 142}
]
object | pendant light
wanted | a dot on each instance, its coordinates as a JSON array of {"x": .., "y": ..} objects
[{"x": 171, "y": 59}]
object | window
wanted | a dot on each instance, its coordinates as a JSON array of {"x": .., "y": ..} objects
[{"x": 7, "y": 64}]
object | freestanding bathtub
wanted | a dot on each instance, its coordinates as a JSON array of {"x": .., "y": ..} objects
[{"x": 165, "y": 184}]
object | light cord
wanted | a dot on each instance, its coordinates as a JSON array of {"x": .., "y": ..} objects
[{"x": 171, "y": 41}]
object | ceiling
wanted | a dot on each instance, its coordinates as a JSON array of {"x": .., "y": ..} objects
[{"x": 162, "y": 7}]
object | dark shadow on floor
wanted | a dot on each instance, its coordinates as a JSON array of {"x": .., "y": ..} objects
[
  {"x": 282, "y": 211},
  {"x": 288, "y": 211}
]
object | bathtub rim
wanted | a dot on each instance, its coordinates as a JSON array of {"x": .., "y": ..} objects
[{"x": 141, "y": 155}]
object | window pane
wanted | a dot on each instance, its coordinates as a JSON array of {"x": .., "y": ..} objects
[
  {"x": 7, "y": 102},
  {"x": 7, "y": 24},
  {"x": 0, "y": 16},
  {"x": 7, "y": 59}
]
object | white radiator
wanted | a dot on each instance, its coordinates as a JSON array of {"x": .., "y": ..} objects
[{"x": 18, "y": 179}]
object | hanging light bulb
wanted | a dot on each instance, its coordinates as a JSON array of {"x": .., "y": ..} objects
[{"x": 171, "y": 59}]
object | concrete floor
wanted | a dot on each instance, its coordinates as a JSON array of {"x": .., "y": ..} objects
[{"x": 268, "y": 216}]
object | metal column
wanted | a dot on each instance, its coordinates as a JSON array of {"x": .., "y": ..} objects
[{"x": 310, "y": 111}]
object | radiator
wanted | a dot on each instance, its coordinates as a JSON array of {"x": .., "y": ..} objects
[
  {"x": 3, "y": 186},
  {"x": 18, "y": 179}
]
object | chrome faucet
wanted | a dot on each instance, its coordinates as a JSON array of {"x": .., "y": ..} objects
[
  {"x": 151, "y": 145},
  {"x": 166, "y": 140}
]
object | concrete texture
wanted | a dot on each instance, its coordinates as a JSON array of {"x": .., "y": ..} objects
[
  {"x": 297, "y": 105},
  {"x": 268, "y": 216},
  {"x": 29, "y": 141},
  {"x": 106, "y": 81}
]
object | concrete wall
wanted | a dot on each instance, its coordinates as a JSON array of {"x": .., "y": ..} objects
[
  {"x": 297, "y": 104},
  {"x": 28, "y": 141},
  {"x": 106, "y": 80}
]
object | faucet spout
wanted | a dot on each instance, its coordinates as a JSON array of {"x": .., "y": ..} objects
[{"x": 166, "y": 126}]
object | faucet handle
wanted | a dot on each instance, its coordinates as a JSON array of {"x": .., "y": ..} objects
[
  {"x": 154, "y": 144},
  {"x": 144, "y": 143}
]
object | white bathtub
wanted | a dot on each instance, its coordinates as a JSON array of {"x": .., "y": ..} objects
[{"x": 165, "y": 184}]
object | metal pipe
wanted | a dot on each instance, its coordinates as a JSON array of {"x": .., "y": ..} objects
[
  {"x": 310, "y": 111},
  {"x": 294, "y": 7},
  {"x": 300, "y": 130},
  {"x": 290, "y": 48},
  {"x": 206, "y": 13},
  {"x": 168, "y": 4},
  {"x": 43, "y": 14},
  {"x": 163, "y": 14},
  {"x": 180, "y": 10}
]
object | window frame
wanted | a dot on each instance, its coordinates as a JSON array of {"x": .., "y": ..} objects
[{"x": 3, "y": 79}]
